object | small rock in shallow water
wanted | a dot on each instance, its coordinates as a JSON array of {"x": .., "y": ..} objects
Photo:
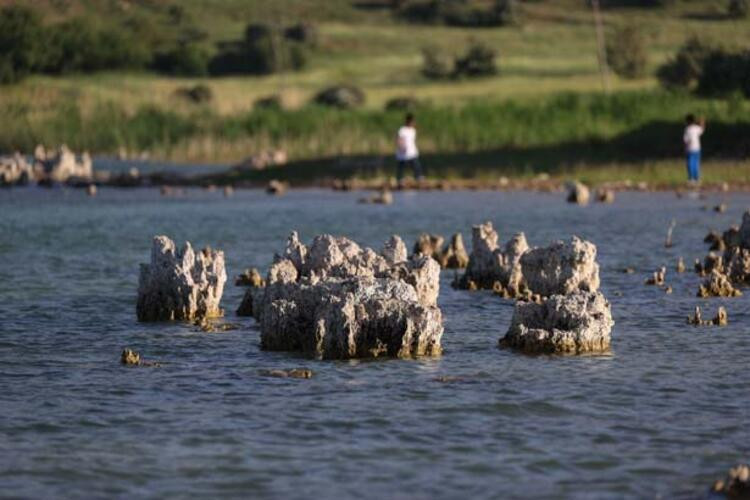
[
  {"x": 627, "y": 270},
  {"x": 737, "y": 483},
  {"x": 276, "y": 187},
  {"x": 250, "y": 277},
  {"x": 720, "y": 208},
  {"x": 718, "y": 285},
  {"x": 293, "y": 373},
  {"x": 130, "y": 357},
  {"x": 658, "y": 277},
  {"x": 578, "y": 193},
  {"x": 680, "y": 265}
]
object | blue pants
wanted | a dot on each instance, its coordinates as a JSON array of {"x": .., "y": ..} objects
[
  {"x": 413, "y": 163},
  {"x": 694, "y": 165}
]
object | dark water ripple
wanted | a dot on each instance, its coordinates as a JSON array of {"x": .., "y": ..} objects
[{"x": 662, "y": 416}]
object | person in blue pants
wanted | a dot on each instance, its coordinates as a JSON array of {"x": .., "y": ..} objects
[
  {"x": 407, "y": 153},
  {"x": 694, "y": 129}
]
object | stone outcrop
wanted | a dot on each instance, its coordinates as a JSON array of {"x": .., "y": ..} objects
[
  {"x": 336, "y": 300},
  {"x": 736, "y": 485},
  {"x": 180, "y": 284},
  {"x": 605, "y": 195},
  {"x": 563, "y": 324},
  {"x": 15, "y": 170},
  {"x": 721, "y": 318},
  {"x": 561, "y": 268},
  {"x": 250, "y": 277},
  {"x": 657, "y": 278},
  {"x": 276, "y": 187},
  {"x": 382, "y": 197},
  {"x": 429, "y": 244},
  {"x": 49, "y": 167},
  {"x": 490, "y": 266}
]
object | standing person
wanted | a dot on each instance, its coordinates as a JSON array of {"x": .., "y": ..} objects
[
  {"x": 692, "y": 139},
  {"x": 406, "y": 150}
]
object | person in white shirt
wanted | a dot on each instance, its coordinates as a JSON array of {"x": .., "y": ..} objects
[
  {"x": 407, "y": 153},
  {"x": 692, "y": 140}
]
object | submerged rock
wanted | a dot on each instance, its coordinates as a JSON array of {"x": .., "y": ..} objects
[
  {"x": 180, "y": 284},
  {"x": 336, "y": 300},
  {"x": 130, "y": 357},
  {"x": 382, "y": 197},
  {"x": 15, "y": 170},
  {"x": 576, "y": 323},
  {"x": 561, "y": 268},
  {"x": 605, "y": 195},
  {"x": 277, "y": 187},
  {"x": 680, "y": 267},
  {"x": 489, "y": 264},
  {"x": 736, "y": 485},
  {"x": 293, "y": 373}
]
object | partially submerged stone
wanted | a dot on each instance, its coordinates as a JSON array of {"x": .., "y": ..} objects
[
  {"x": 561, "y": 268},
  {"x": 578, "y": 193},
  {"x": 453, "y": 255},
  {"x": 336, "y": 300},
  {"x": 429, "y": 244},
  {"x": 680, "y": 267},
  {"x": 721, "y": 318},
  {"x": 293, "y": 373},
  {"x": 563, "y": 324},
  {"x": 130, "y": 357},
  {"x": 605, "y": 195},
  {"x": 736, "y": 485},
  {"x": 658, "y": 277},
  {"x": 394, "y": 250},
  {"x": 250, "y": 277},
  {"x": 180, "y": 284},
  {"x": 382, "y": 197},
  {"x": 718, "y": 285},
  {"x": 277, "y": 187},
  {"x": 489, "y": 264}
]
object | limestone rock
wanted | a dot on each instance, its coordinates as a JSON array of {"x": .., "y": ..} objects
[
  {"x": 336, "y": 300},
  {"x": 578, "y": 193},
  {"x": 680, "y": 267},
  {"x": 429, "y": 244},
  {"x": 576, "y": 323},
  {"x": 453, "y": 255},
  {"x": 738, "y": 265},
  {"x": 561, "y": 268},
  {"x": 736, "y": 486},
  {"x": 15, "y": 170},
  {"x": 658, "y": 277},
  {"x": 605, "y": 195},
  {"x": 382, "y": 197},
  {"x": 180, "y": 284},
  {"x": 394, "y": 250},
  {"x": 130, "y": 357},
  {"x": 250, "y": 277},
  {"x": 718, "y": 285},
  {"x": 293, "y": 373},
  {"x": 277, "y": 187}
]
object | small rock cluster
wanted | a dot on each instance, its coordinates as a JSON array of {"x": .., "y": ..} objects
[
  {"x": 721, "y": 318},
  {"x": 49, "y": 167},
  {"x": 737, "y": 483},
  {"x": 336, "y": 300},
  {"x": 729, "y": 268},
  {"x": 180, "y": 284}
]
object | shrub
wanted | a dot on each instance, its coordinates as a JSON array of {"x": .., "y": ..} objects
[
  {"x": 406, "y": 103},
  {"x": 686, "y": 67},
  {"x": 262, "y": 51},
  {"x": 197, "y": 94},
  {"x": 304, "y": 33},
  {"x": 478, "y": 60},
  {"x": 435, "y": 65},
  {"x": 272, "y": 102},
  {"x": 187, "y": 59},
  {"x": 20, "y": 33},
  {"x": 458, "y": 12},
  {"x": 627, "y": 54},
  {"x": 738, "y": 9},
  {"x": 341, "y": 96},
  {"x": 725, "y": 73}
]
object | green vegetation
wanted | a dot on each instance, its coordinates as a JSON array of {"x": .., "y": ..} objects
[{"x": 542, "y": 110}]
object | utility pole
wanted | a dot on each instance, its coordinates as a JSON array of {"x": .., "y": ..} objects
[{"x": 601, "y": 45}]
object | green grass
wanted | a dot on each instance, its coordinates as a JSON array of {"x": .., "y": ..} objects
[{"x": 545, "y": 111}]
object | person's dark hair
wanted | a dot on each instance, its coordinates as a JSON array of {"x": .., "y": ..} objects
[
  {"x": 690, "y": 119},
  {"x": 409, "y": 118}
]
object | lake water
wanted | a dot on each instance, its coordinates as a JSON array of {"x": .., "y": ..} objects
[{"x": 663, "y": 416}]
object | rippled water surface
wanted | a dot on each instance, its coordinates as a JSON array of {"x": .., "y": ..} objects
[{"x": 663, "y": 416}]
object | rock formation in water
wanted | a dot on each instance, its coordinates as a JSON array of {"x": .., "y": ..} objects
[
  {"x": 453, "y": 255},
  {"x": 382, "y": 197},
  {"x": 250, "y": 277},
  {"x": 561, "y": 268},
  {"x": 394, "y": 250},
  {"x": 605, "y": 195},
  {"x": 736, "y": 485},
  {"x": 336, "y": 300},
  {"x": 180, "y": 284},
  {"x": 490, "y": 266},
  {"x": 429, "y": 244},
  {"x": 578, "y": 193},
  {"x": 563, "y": 324},
  {"x": 718, "y": 284},
  {"x": 15, "y": 170},
  {"x": 276, "y": 187},
  {"x": 657, "y": 278},
  {"x": 733, "y": 263}
]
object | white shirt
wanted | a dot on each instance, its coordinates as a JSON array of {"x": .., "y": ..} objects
[
  {"x": 692, "y": 138},
  {"x": 407, "y": 144}
]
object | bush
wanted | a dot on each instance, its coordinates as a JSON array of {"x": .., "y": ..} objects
[
  {"x": 627, "y": 54},
  {"x": 187, "y": 59},
  {"x": 272, "y": 102},
  {"x": 406, "y": 103},
  {"x": 20, "y": 33},
  {"x": 686, "y": 67},
  {"x": 435, "y": 65},
  {"x": 738, "y": 9},
  {"x": 197, "y": 94},
  {"x": 725, "y": 73},
  {"x": 304, "y": 33},
  {"x": 341, "y": 96},
  {"x": 262, "y": 51},
  {"x": 478, "y": 60},
  {"x": 459, "y": 12}
]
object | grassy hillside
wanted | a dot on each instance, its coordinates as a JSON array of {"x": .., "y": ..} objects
[{"x": 545, "y": 62}]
